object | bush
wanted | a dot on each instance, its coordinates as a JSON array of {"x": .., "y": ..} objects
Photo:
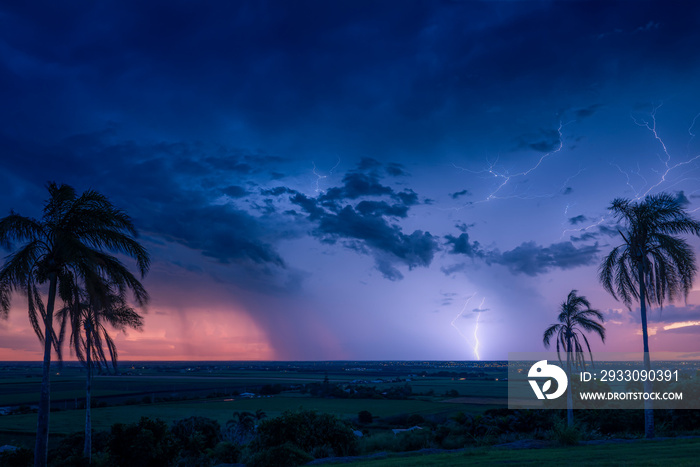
[
  {"x": 148, "y": 443},
  {"x": 306, "y": 430},
  {"x": 564, "y": 435},
  {"x": 226, "y": 453},
  {"x": 197, "y": 433},
  {"x": 20, "y": 457},
  {"x": 287, "y": 455},
  {"x": 415, "y": 419},
  {"x": 414, "y": 440},
  {"x": 364, "y": 417},
  {"x": 407, "y": 441}
]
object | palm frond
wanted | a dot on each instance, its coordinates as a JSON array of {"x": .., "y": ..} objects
[{"x": 549, "y": 333}]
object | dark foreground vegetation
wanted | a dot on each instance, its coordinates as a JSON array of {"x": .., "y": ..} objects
[
  {"x": 300, "y": 436},
  {"x": 286, "y": 414}
]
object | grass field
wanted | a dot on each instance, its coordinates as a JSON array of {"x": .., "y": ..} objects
[
  {"x": 146, "y": 391},
  {"x": 676, "y": 452},
  {"x": 70, "y": 421}
]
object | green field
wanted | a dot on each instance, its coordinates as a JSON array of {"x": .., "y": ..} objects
[
  {"x": 676, "y": 452},
  {"x": 155, "y": 387},
  {"x": 432, "y": 396},
  {"x": 70, "y": 421}
]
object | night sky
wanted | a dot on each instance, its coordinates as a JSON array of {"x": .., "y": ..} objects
[{"x": 357, "y": 180}]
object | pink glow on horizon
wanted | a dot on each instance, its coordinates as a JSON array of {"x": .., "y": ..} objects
[{"x": 205, "y": 334}]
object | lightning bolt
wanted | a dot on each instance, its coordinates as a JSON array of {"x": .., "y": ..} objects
[
  {"x": 475, "y": 341},
  {"x": 664, "y": 175},
  {"x": 476, "y": 330},
  {"x": 320, "y": 177},
  {"x": 459, "y": 315},
  {"x": 650, "y": 125},
  {"x": 583, "y": 229},
  {"x": 503, "y": 177}
]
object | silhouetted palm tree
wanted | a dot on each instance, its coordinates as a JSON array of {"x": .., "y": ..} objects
[
  {"x": 241, "y": 428},
  {"x": 67, "y": 249},
  {"x": 651, "y": 265},
  {"x": 89, "y": 337},
  {"x": 575, "y": 317}
]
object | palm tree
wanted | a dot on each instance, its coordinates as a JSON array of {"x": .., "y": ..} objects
[
  {"x": 89, "y": 337},
  {"x": 651, "y": 265},
  {"x": 575, "y": 317},
  {"x": 240, "y": 429},
  {"x": 67, "y": 249}
]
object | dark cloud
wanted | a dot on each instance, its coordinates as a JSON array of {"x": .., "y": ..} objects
[
  {"x": 365, "y": 226},
  {"x": 577, "y": 219},
  {"x": 668, "y": 314},
  {"x": 461, "y": 245},
  {"x": 235, "y": 191},
  {"x": 532, "y": 259},
  {"x": 356, "y": 185},
  {"x": 408, "y": 197},
  {"x": 230, "y": 234},
  {"x": 388, "y": 243},
  {"x": 367, "y": 163},
  {"x": 545, "y": 141},
  {"x": 309, "y": 205},
  {"x": 447, "y": 298},
  {"x": 395, "y": 169},
  {"x": 457, "y": 194},
  {"x": 682, "y": 199},
  {"x": 462, "y": 227},
  {"x": 230, "y": 165},
  {"x": 381, "y": 208},
  {"x": 608, "y": 231},
  {"x": 279, "y": 190},
  {"x": 587, "y": 111},
  {"x": 170, "y": 190},
  {"x": 208, "y": 69},
  {"x": 586, "y": 236}
]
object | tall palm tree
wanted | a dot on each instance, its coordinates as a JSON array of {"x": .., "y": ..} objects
[
  {"x": 241, "y": 428},
  {"x": 89, "y": 337},
  {"x": 652, "y": 265},
  {"x": 575, "y": 317},
  {"x": 67, "y": 249}
]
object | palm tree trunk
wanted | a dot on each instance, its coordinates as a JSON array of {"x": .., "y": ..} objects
[
  {"x": 569, "y": 397},
  {"x": 87, "y": 448},
  {"x": 42, "y": 425},
  {"x": 648, "y": 404}
]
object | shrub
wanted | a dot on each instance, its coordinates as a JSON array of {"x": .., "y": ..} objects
[
  {"x": 199, "y": 432},
  {"x": 364, "y": 417},
  {"x": 287, "y": 455},
  {"x": 306, "y": 430},
  {"x": 226, "y": 453},
  {"x": 414, "y": 440},
  {"x": 148, "y": 443},
  {"x": 415, "y": 419},
  {"x": 20, "y": 457},
  {"x": 69, "y": 452},
  {"x": 564, "y": 435}
]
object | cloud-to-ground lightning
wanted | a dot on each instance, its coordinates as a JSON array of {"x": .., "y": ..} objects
[
  {"x": 460, "y": 314},
  {"x": 476, "y": 329},
  {"x": 475, "y": 341}
]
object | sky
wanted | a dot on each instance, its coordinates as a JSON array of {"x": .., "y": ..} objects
[{"x": 355, "y": 180}]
